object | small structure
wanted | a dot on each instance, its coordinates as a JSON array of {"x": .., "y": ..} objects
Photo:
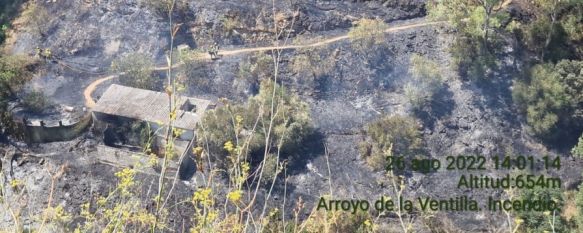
[
  {"x": 182, "y": 47},
  {"x": 62, "y": 123},
  {"x": 120, "y": 106},
  {"x": 150, "y": 106}
]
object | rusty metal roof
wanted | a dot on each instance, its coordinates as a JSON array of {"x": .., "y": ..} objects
[{"x": 149, "y": 106}]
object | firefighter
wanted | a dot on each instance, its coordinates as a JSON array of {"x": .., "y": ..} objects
[
  {"x": 214, "y": 51},
  {"x": 216, "y": 48},
  {"x": 47, "y": 54},
  {"x": 210, "y": 51},
  {"x": 37, "y": 52}
]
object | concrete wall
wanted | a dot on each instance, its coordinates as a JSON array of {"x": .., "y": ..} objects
[{"x": 42, "y": 134}]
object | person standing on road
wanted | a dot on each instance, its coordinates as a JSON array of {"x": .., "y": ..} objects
[{"x": 214, "y": 51}]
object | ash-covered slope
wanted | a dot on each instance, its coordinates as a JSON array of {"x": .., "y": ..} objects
[{"x": 357, "y": 88}]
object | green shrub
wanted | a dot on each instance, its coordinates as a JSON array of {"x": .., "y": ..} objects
[
  {"x": 3, "y": 30},
  {"x": 245, "y": 126},
  {"x": 15, "y": 71},
  {"x": 579, "y": 205},
  {"x": 540, "y": 221},
  {"x": 137, "y": 71},
  {"x": 310, "y": 66},
  {"x": 555, "y": 48},
  {"x": 367, "y": 33},
  {"x": 271, "y": 169},
  {"x": 476, "y": 19},
  {"x": 256, "y": 68},
  {"x": 9, "y": 9},
  {"x": 399, "y": 134},
  {"x": 472, "y": 58},
  {"x": 551, "y": 96},
  {"x": 339, "y": 221},
  {"x": 425, "y": 81},
  {"x": 572, "y": 25},
  {"x": 577, "y": 151},
  {"x": 230, "y": 23},
  {"x": 35, "y": 101}
]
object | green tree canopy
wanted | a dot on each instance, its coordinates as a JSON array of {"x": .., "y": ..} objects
[
  {"x": 477, "y": 22},
  {"x": 476, "y": 18},
  {"x": 554, "y": 31},
  {"x": 552, "y": 95},
  {"x": 540, "y": 221},
  {"x": 399, "y": 134},
  {"x": 136, "y": 70},
  {"x": 244, "y": 127}
]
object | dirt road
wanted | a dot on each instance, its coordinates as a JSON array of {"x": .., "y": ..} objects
[{"x": 90, "y": 103}]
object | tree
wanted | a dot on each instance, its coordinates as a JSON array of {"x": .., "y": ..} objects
[
  {"x": 399, "y": 134},
  {"x": 550, "y": 9},
  {"x": 475, "y": 18},
  {"x": 572, "y": 25},
  {"x": 486, "y": 17},
  {"x": 242, "y": 128},
  {"x": 552, "y": 95},
  {"x": 555, "y": 30},
  {"x": 476, "y": 21},
  {"x": 136, "y": 70}
]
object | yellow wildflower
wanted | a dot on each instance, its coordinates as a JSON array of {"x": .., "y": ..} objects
[
  {"x": 197, "y": 150},
  {"x": 245, "y": 167},
  {"x": 367, "y": 223},
  {"x": 235, "y": 196},
  {"x": 238, "y": 119},
  {"x": 15, "y": 183},
  {"x": 126, "y": 180},
  {"x": 229, "y": 146},
  {"x": 203, "y": 196},
  {"x": 273, "y": 212}
]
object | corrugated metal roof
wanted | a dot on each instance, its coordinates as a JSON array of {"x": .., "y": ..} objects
[{"x": 148, "y": 106}]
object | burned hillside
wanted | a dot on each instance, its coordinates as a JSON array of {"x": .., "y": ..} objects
[{"x": 242, "y": 116}]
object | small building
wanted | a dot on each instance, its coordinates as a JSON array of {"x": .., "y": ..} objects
[
  {"x": 149, "y": 106},
  {"x": 120, "y": 106}
]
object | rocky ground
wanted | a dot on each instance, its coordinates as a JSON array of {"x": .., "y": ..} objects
[{"x": 470, "y": 118}]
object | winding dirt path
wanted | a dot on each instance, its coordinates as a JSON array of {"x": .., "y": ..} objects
[
  {"x": 90, "y": 103},
  {"x": 321, "y": 43}
]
